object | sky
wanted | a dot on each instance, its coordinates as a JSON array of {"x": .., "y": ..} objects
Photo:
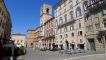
[{"x": 25, "y": 14}]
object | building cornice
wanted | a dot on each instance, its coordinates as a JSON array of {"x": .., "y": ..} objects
[{"x": 59, "y": 3}]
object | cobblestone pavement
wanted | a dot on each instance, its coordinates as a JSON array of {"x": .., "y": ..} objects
[{"x": 49, "y": 55}]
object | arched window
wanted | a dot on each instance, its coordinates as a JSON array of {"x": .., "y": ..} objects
[
  {"x": 47, "y": 10},
  {"x": 78, "y": 11}
]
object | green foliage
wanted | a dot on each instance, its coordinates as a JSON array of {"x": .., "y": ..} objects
[{"x": 19, "y": 51}]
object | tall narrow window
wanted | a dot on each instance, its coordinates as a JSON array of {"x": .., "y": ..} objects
[
  {"x": 65, "y": 29},
  {"x": 79, "y": 25},
  {"x": 61, "y": 20},
  {"x": 71, "y": 15},
  {"x": 81, "y": 33},
  {"x": 72, "y": 34},
  {"x": 61, "y": 36},
  {"x": 85, "y": 5},
  {"x": 78, "y": 11},
  {"x": 65, "y": 16},
  {"x": 47, "y": 10}
]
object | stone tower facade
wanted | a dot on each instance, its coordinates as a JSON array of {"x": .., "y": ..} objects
[{"x": 45, "y": 16}]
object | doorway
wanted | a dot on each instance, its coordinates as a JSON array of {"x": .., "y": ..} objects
[{"x": 91, "y": 45}]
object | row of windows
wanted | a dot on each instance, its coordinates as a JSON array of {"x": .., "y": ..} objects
[
  {"x": 97, "y": 26},
  {"x": 65, "y": 18},
  {"x": 88, "y": 15},
  {"x": 72, "y": 27},
  {"x": 78, "y": 13},
  {"x": 49, "y": 25},
  {"x": 80, "y": 33},
  {"x": 85, "y": 4},
  {"x": 49, "y": 34},
  {"x": 66, "y": 29},
  {"x": 66, "y": 3}
]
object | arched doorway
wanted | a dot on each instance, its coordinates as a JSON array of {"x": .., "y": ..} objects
[{"x": 67, "y": 44}]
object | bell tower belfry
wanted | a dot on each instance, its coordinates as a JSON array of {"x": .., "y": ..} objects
[
  {"x": 45, "y": 13},
  {"x": 46, "y": 9}
]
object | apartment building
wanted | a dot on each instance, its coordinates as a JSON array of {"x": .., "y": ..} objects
[
  {"x": 5, "y": 23},
  {"x": 70, "y": 28},
  {"x": 95, "y": 21},
  {"x": 19, "y": 39}
]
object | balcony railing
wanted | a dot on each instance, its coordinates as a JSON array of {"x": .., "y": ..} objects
[
  {"x": 95, "y": 4},
  {"x": 66, "y": 23}
]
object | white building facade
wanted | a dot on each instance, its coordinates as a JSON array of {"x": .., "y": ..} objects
[{"x": 70, "y": 32}]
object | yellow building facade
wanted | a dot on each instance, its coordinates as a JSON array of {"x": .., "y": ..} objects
[{"x": 33, "y": 37}]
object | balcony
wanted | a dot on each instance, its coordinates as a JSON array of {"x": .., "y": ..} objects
[
  {"x": 66, "y": 23},
  {"x": 95, "y": 5}
]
